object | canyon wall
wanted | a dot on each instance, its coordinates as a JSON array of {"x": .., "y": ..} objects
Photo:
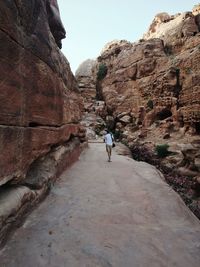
[
  {"x": 41, "y": 106},
  {"x": 151, "y": 89},
  {"x": 155, "y": 78}
]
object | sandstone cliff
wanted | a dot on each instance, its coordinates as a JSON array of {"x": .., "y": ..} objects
[
  {"x": 156, "y": 78},
  {"x": 86, "y": 80},
  {"x": 40, "y": 106},
  {"x": 151, "y": 88}
]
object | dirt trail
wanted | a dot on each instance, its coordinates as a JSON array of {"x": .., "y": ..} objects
[{"x": 102, "y": 214}]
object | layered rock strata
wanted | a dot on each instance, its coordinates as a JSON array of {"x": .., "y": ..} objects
[{"x": 40, "y": 105}]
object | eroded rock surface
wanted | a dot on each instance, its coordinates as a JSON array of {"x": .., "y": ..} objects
[
  {"x": 151, "y": 89},
  {"x": 37, "y": 88},
  {"x": 40, "y": 103},
  {"x": 154, "y": 82}
]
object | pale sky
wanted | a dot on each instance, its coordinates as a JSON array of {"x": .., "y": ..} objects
[{"x": 90, "y": 24}]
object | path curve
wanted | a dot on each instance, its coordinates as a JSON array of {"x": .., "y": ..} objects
[{"x": 102, "y": 214}]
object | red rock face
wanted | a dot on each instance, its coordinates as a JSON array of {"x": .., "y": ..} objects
[
  {"x": 165, "y": 72},
  {"x": 38, "y": 92},
  {"x": 131, "y": 80},
  {"x": 152, "y": 89},
  {"x": 152, "y": 97},
  {"x": 23, "y": 145}
]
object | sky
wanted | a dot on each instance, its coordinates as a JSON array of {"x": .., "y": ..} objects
[{"x": 90, "y": 24}]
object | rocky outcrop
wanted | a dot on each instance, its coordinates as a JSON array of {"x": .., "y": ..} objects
[
  {"x": 86, "y": 81},
  {"x": 158, "y": 77},
  {"x": 151, "y": 89},
  {"x": 40, "y": 103},
  {"x": 169, "y": 28},
  {"x": 55, "y": 23},
  {"x": 93, "y": 108}
]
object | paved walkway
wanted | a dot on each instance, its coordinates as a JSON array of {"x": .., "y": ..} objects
[{"x": 102, "y": 214}]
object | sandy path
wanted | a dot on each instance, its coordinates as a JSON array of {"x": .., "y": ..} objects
[{"x": 102, "y": 214}]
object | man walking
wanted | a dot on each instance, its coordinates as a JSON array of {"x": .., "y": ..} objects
[{"x": 108, "y": 139}]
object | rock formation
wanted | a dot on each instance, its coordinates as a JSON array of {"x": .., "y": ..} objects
[
  {"x": 172, "y": 27},
  {"x": 92, "y": 116},
  {"x": 151, "y": 88},
  {"x": 86, "y": 81},
  {"x": 40, "y": 106},
  {"x": 55, "y": 23},
  {"x": 157, "y": 77}
]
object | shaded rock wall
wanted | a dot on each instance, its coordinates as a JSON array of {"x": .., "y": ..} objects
[
  {"x": 38, "y": 93},
  {"x": 40, "y": 103}
]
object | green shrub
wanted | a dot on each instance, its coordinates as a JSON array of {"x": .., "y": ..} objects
[
  {"x": 118, "y": 135},
  {"x": 162, "y": 150},
  {"x": 150, "y": 104},
  {"x": 101, "y": 74}
]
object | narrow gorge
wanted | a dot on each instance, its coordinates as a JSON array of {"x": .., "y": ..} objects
[{"x": 147, "y": 93}]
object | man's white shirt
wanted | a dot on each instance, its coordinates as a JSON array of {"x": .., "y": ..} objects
[{"x": 108, "y": 139}]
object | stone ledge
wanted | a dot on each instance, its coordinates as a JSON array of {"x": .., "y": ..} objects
[{"x": 17, "y": 201}]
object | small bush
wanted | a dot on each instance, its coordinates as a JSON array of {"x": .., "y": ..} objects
[
  {"x": 150, "y": 104},
  {"x": 118, "y": 135},
  {"x": 101, "y": 74},
  {"x": 162, "y": 150}
]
